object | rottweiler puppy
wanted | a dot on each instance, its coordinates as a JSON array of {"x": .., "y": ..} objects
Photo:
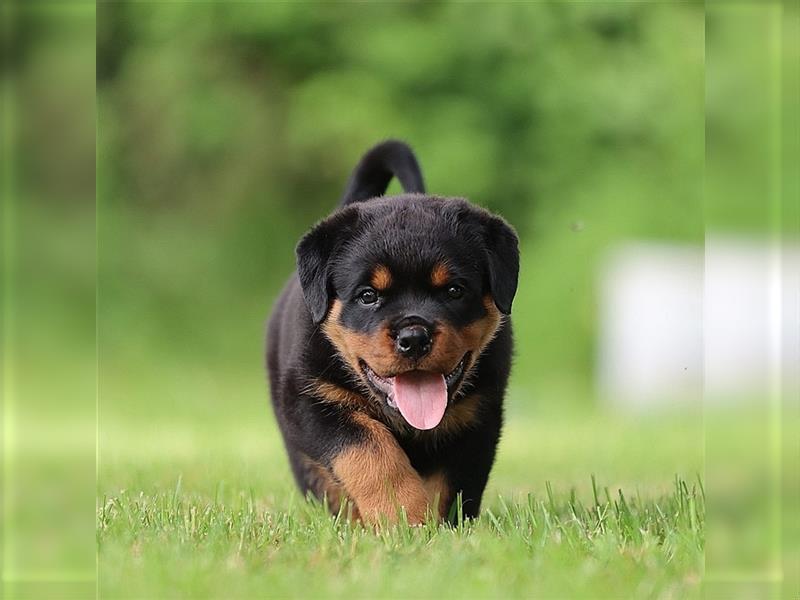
[{"x": 389, "y": 350}]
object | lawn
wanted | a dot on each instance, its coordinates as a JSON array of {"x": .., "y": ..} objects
[
  {"x": 174, "y": 543},
  {"x": 585, "y": 504}
]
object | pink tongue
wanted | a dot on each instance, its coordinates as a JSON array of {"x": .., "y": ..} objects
[{"x": 421, "y": 398}]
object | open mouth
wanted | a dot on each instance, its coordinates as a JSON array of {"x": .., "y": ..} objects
[{"x": 420, "y": 396}]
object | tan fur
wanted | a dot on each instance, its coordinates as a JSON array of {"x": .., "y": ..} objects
[
  {"x": 450, "y": 343},
  {"x": 381, "y": 278},
  {"x": 377, "y": 475},
  {"x": 323, "y": 484},
  {"x": 440, "y": 274},
  {"x": 437, "y": 488},
  {"x": 378, "y": 349},
  {"x": 379, "y": 478},
  {"x": 335, "y": 394}
]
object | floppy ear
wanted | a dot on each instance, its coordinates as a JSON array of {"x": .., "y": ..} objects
[
  {"x": 314, "y": 254},
  {"x": 502, "y": 246}
]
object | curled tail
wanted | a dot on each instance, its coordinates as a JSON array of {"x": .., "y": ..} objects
[{"x": 374, "y": 171}]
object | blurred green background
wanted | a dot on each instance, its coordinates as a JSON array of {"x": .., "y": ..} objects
[{"x": 225, "y": 131}]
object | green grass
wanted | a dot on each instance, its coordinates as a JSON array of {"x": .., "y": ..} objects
[
  {"x": 202, "y": 546},
  {"x": 206, "y": 508}
]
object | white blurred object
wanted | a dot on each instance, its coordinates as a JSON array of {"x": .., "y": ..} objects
[
  {"x": 682, "y": 324},
  {"x": 651, "y": 345}
]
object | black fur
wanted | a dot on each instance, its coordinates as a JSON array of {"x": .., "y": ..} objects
[
  {"x": 375, "y": 170},
  {"x": 408, "y": 234}
]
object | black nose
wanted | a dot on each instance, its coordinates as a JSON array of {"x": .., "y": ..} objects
[{"x": 413, "y": 341}]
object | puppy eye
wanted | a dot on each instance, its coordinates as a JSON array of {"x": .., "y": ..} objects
[
  {"x": 455, "y": 291},
  {"x": 368, "y": 296}
]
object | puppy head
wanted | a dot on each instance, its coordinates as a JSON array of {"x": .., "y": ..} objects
[{"x": 410, "y": 290}]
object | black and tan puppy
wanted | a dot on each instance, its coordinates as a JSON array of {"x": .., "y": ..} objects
[{"x": 390, "y": 349}]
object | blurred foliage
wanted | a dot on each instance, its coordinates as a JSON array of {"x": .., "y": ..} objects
[{"x": 226, "y": 130}]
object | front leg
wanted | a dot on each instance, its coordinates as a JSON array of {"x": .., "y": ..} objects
[
  {"x": 377, "y": 475},
  {"x": 470, "y": 458}
]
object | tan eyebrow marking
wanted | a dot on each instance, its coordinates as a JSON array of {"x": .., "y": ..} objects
[
  {"x": 440, "y": 274},
  {"x": 381, "y": 278}
]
